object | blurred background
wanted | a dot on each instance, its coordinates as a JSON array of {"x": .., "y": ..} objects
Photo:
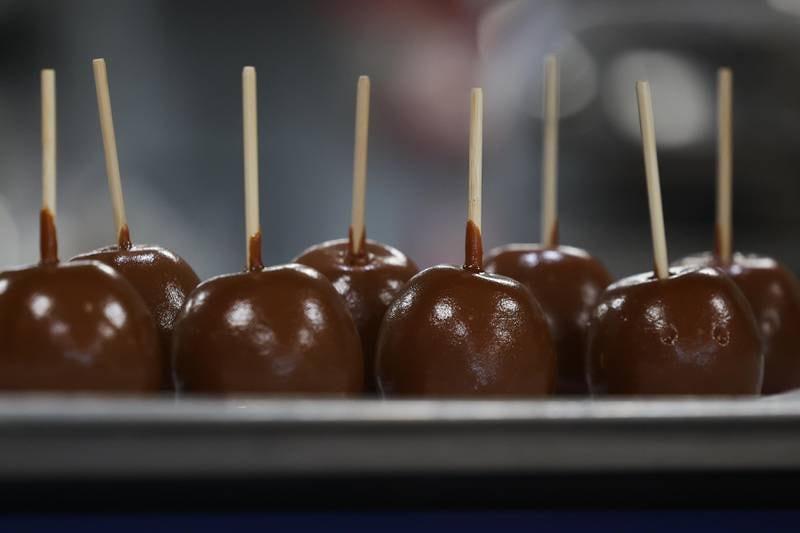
[{"x": 175, "y": 74}]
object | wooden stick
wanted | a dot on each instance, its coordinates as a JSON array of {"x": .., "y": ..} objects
[
  {"x": 49, "y": 141},
  {"x": 250, "y": 121},
  {"x": 475, "y": 157},
  {"x": 48, "y": 243},
  {"x": 360, "y": 165},
  {"x": 550, "y": 155},
  {"x": 653, "y": 183},
  {"x": 724, "y": 233},
  {"x": 473, "y": 244},
  {"x": 110, "y": 145}
]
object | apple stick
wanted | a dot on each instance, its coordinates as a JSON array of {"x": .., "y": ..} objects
[
  {"x": 653, "y": 183},
  {"x": 724, "y": 233},
  {"x": 550, "y": 155},
  {"x": 49, "y": 141},
  {"x": 48, "y": 249},
  {"x": 110, "y": 149},
  {"x": 250, "y": 122},
  {"x": 360, "y": 165},
  {"x": 475, "y": 157},
  {"x": 473, "y": 246}
]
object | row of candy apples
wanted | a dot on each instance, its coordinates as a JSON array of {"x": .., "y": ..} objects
[{"x": 353, "y": 315}]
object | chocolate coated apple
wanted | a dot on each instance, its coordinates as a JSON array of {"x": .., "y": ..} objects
[
  {"x": 773, "y": 294},
  {"x": 459, "y": 331},
  {"x": 163, "y": 280},
  {"x": 368, "y": 282},
  {"x": 279, "y": 330},
  {"x": 567, "y": 282},
  {"x": 77, "y": 326},
  {"x": 692, "y": 333}
]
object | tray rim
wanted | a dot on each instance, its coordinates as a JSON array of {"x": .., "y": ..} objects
[
  {"x": 38, "y": 408},
  {"x": 45, "y": 438}
]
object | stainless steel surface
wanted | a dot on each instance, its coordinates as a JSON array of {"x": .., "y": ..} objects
[{"x": 52, "y": 437}]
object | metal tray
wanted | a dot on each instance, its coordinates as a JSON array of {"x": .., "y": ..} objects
[
  {"x": 112, "y": 437},
  {"x": 126, "y": 454}
]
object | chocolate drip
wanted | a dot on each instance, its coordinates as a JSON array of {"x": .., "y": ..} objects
[
  {"x": 255, "y": 262},
  {"x": 360, "y": 258},
  {"x": 48, "y": 243},
  {"x": 473, "y": 248},
  {"x": 124, "y": 238}
]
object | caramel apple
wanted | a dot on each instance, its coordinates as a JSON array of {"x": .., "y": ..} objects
[
  {"x": 770, "y": 288},
  {"x": 686, "y": 331},
  {"x": 773, "y": 294},
  {"x": 271, "y": 330},
  {"x": 77, "y": 326},
  {"x": 162, "y": 279},
  {"x": 460, "y": 331},
  {"x": 368, "y": 283},
  {"x": 689, "y": 333},
  {"x": 566, "y": 281},
  {"x": 366, "y": 273},
  {"x": 278, "y": 330}
]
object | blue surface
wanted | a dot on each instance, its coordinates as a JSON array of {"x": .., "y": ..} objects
[{"x": 539, "y": 521}]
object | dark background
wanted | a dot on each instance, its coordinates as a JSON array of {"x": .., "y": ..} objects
[
  {"x": 175, "y": 74},
  {"x": 544, "y": 522}
]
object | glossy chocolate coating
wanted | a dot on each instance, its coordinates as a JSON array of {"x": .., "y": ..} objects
[
  {"x": 692, "y": 333},
  {"x": 456, "y": 332},
  {"x": 163, "y": 280},
  {"x": 567, "y": 282},
  {"x": 774, "y": 296},
  {"x": 75, "y": 327},
  {"x": 368, "y": 283},
  {"x": 279, "y": 330}
]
